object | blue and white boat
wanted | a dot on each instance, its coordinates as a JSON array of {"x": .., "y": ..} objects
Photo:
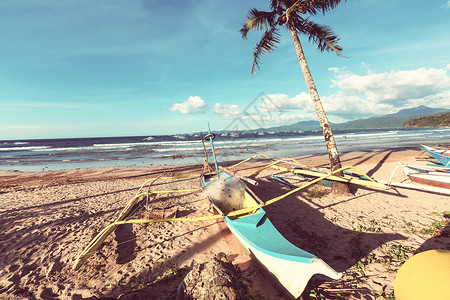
[
  {"x": 442, "y": 156},
  {"x": 289, "y": 266}
]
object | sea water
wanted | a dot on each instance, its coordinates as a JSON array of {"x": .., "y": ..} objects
[{"x": 74, "y": 153}]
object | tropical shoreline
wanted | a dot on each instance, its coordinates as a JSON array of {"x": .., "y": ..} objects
[
  {"x": 82, "y": 153},
  {"x": 48, "y": 217}
]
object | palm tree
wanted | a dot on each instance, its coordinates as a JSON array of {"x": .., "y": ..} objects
[{"x": 294, "y": 16}]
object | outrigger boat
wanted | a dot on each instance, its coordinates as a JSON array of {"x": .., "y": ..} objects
[
  {"x": 430, "y": 179},
  {"x": 445, "y": 151},
  {"x": 419, "y": 175},
  {"x": 442, "y": 156},
  {"x": 290, "y": 266}
]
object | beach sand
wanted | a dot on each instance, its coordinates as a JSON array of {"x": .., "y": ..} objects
[{"x": 47, "y": 218}]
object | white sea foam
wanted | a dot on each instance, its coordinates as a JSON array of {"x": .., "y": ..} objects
[
  {"x": 85, "y": 148},
  {"x": 175, "y": 149},
  {"x": 176, "y": 143},
  {"x": 31, "y": 148},
  {"x": 123, "y": 145}
]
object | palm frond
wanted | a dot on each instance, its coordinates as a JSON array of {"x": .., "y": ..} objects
[
  {"x": 267, "y": 44},
  {"x": 257, "y": 20},
  {"x": 276, "y": 5},
  {"x": 296, "y": 7},
  {"x": 312, "y": 7},
  {"x": 321, "y": 35}
]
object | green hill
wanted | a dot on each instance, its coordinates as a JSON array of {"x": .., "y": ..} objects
[
  {"x": 374, "y": 123},
  {"x": 439, "y": 120},
  {"x": 396, "y": 120}
]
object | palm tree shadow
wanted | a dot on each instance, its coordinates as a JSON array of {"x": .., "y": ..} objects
[{"x": 380, "y": 163}]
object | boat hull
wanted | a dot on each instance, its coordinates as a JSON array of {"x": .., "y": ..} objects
[
  {"x": 440, "y": 156},
  {"x": 433, "y": 180},
  {"x": 289, "y": 266},
  {"x": 290, "y": 274},
  {"x": 436, "y": 179}
]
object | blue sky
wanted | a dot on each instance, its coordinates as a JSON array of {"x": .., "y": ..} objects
[{"x": 90, "y": 68}]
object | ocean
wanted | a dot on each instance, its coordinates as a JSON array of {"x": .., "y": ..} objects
[{"x": 73, "y": 153}]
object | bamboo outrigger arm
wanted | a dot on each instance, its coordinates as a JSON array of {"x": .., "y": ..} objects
[
  {"x": 235, "y": 174},
  {"x": 368, "y": 183}
]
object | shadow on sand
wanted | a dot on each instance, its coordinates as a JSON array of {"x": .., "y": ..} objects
[{"x": 308, "y": 229}]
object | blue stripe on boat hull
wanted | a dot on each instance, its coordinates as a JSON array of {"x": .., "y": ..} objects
[
  {"x": 441, "y": 158},
  {"x": 266, "y": 238}
]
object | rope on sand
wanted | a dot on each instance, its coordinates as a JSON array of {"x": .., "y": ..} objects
[{"x": 100, "y": 238}]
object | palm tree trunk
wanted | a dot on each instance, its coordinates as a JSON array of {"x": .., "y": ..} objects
[{"x": 335, "y": 162}]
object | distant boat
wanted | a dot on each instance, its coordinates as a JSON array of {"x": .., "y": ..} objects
[
  {"x": 441, "y": 155},
  {"x": 422, "y": 176}
]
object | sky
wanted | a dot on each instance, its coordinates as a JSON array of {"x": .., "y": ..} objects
[{"x": 93, "y": 68}]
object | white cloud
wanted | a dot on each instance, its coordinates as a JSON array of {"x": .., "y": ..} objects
[
  {"x": 395, "y": 87},
  {"x": 358, "y": 96},
  {"x": 441, "y": 100},
  {"x": 226, "y": 111},
  {"x": 363, "y": 96},
  {"x": 193, "y": 105},
  {"x": 282, "y": 102},
  {"x": 350, "y": 106}
]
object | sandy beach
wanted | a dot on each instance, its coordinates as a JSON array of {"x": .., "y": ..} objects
[{"x": 47, "y": 218}]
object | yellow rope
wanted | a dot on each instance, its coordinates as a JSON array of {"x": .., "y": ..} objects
[
  {"x": 246, "y": 160},
  {"x": 170, "y": 191},
  {"x": 272, "y": 164},
  {"x": 96, "y": 242},
  {"x": 163, "y": 178}
]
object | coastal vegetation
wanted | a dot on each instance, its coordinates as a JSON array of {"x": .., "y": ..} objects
[
  {"x": 429, "y": 117},
  {"x": 294, "y": 16},
  {"x": 439, "y": 120}
]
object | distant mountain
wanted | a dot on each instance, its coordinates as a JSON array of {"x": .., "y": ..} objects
[
  {"x": 299, "y": 126},
  {"x": 387, "y": 121},
  {"x": 420, "y": 110},
  {"x": 390, "y": 121},
  {"x": 438, "y": 120}
]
